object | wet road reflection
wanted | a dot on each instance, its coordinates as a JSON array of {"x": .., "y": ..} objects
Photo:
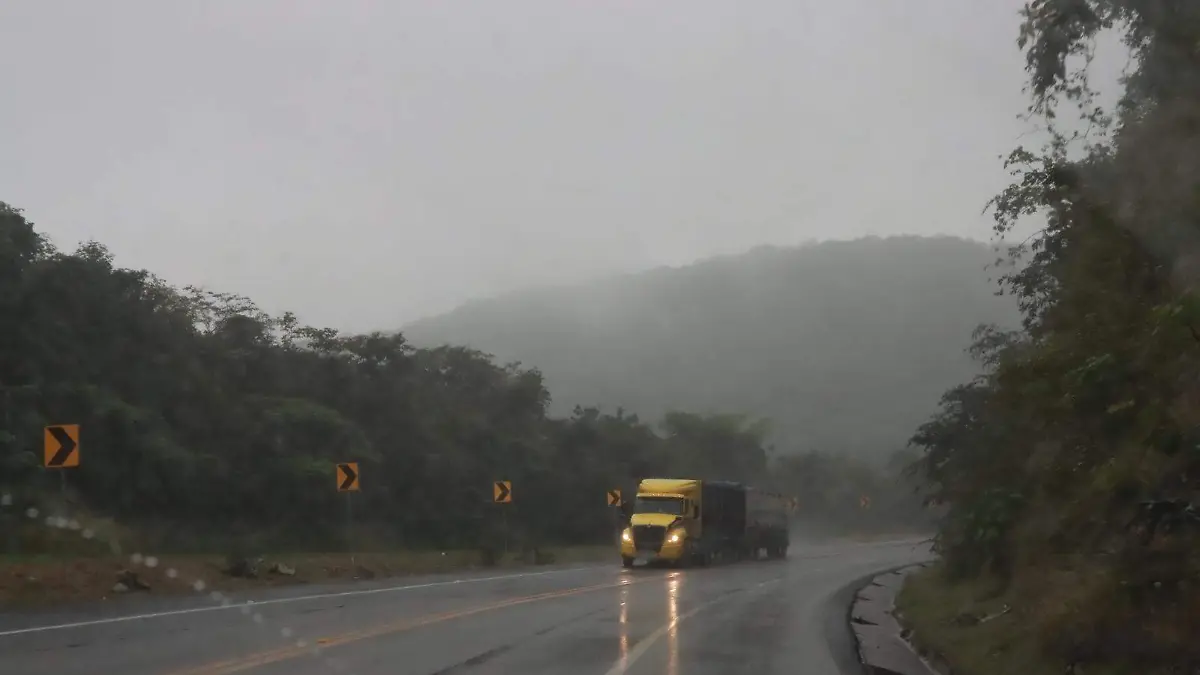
[
  {"x": 763, "y": 618},
  {"x": 673, "y": 622},
  {"x": 623, "y": 624}
]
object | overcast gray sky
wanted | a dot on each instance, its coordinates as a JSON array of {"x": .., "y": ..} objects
[{"x": 367, "y": 162}]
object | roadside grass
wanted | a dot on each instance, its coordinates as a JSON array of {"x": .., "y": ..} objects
[
  {"x": 935, "y": 610},
  {"x": 47, "y": 579},
  {"x": 982, "y": 628}
]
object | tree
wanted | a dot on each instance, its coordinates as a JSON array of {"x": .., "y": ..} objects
[
  {"x": 210, "y": 423},
  {"x": 1091, "y": 413}
]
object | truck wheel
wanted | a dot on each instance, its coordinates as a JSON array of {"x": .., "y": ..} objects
[{"x": 626, "y": 562}]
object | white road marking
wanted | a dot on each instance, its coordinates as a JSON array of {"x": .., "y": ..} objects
[
  {"x": 300, "y": 598},
  {"x": 626, "y": 662}
]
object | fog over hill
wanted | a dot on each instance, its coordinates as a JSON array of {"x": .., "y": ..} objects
[{"x": 844, "y": 345}]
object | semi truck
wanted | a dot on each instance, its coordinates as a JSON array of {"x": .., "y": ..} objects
[{"x": 686, "y": 522}]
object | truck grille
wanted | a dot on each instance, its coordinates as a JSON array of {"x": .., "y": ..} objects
[{"x": 648, "y": 537}]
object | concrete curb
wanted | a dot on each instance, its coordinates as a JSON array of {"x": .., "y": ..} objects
[{"x": 878, "y": 636}]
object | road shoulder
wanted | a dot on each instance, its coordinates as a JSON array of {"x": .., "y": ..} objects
[
  {"x": 45, "y": 582},
  {"x": 16, "y": 620},
  {"x": 879, "y": 639}
]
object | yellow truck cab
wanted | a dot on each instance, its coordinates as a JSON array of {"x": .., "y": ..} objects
[
  {"x": 665, "y": 521},
  {"x": 686, "y": 521}
]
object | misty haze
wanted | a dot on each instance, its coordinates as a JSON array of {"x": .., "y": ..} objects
[
  {"x": 366, "y": 164},
  {"x": 610, "y": 338}
]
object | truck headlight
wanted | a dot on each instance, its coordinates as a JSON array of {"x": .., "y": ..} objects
[
  {"x": 675, "y": 536},
  {"x": 626, "y": 536}
]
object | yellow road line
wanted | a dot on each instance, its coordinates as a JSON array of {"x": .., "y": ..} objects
[{"x": 242, "y": 663}]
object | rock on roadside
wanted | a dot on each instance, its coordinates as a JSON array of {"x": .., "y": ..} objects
[
  {"x": 128, "y": 581},
  {"x": 882, "y": 648}
]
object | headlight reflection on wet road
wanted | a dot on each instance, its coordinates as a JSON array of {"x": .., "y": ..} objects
[{"x": 673, "y": 619}]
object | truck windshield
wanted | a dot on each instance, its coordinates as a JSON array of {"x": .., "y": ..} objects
[{"x": 671, "y": 505}]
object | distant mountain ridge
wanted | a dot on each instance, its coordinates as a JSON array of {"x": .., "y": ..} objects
[{"x": 844, "y": 345}]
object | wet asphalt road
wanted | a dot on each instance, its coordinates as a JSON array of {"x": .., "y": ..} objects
[{"x": 765, "y": 618}]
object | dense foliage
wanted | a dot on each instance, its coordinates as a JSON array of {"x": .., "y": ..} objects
[
  {"x": 1073, "y": 466},
  {"x": 205, "y": 421},
  {"x": 818, "y": 338}
]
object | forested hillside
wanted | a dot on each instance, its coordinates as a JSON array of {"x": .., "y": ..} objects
[
  {"x": 1072, "y": 468},
  {"x": 206, "y": 422},
  {"x": 844, "y": 346}
]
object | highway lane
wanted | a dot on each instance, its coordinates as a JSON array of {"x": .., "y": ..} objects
[{"x": 760, "y": 617}]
